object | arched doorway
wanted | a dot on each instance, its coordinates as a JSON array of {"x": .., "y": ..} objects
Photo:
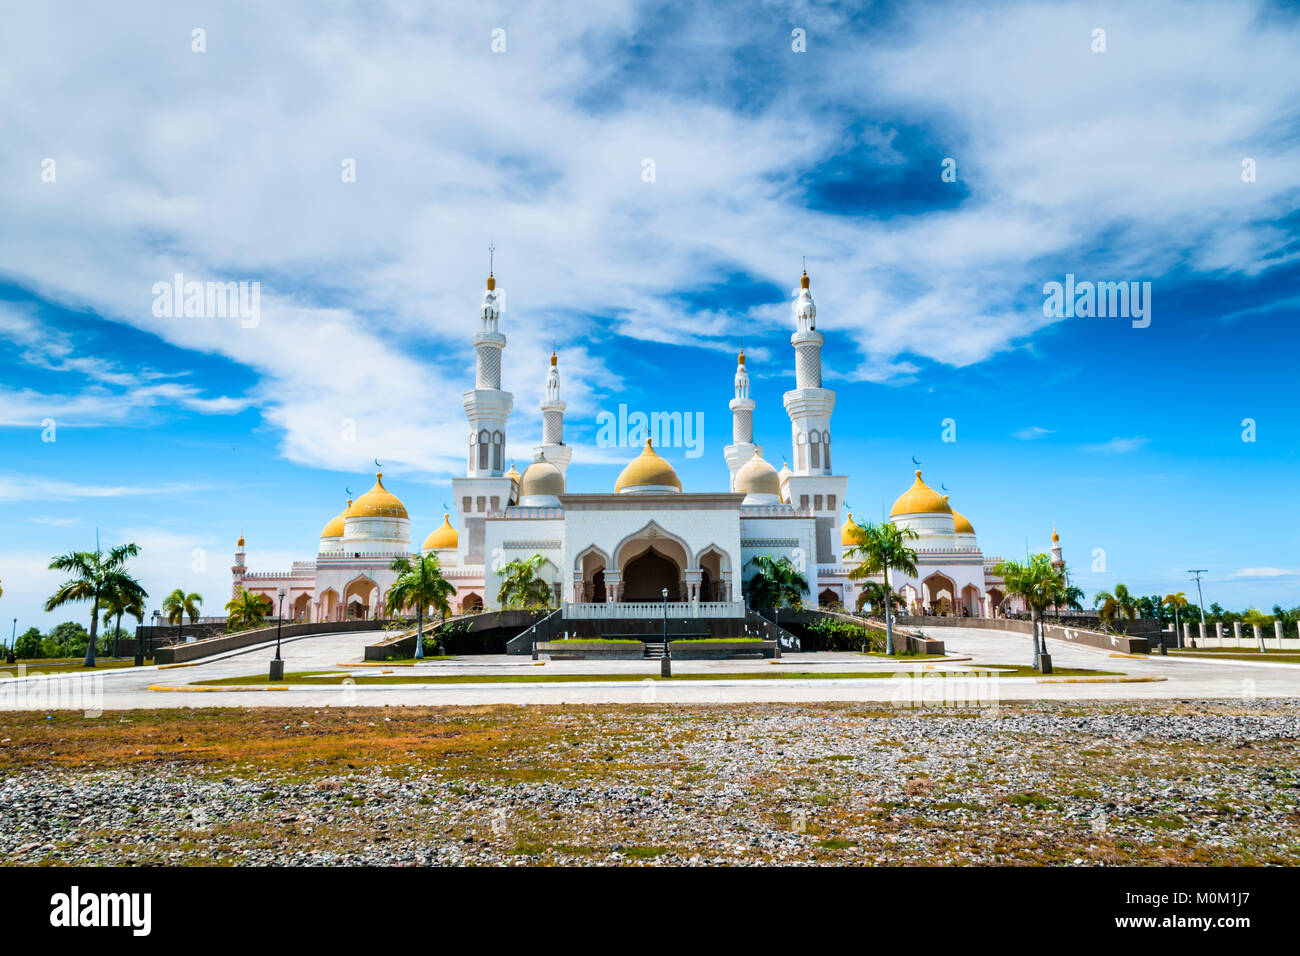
[
  {"x": 358, "y": 596},
  {"x": 328, "y": 608},
  {"x": 301, "y": 607},
  {"x": 646, "y": 576},
  {"x": 828, "y": 598},
  {"x": 591, "y": 563},
  {"x": 940, "y": 594},
  {"x": 472, "y": 604},
  {"x": 996, "y": 597}
]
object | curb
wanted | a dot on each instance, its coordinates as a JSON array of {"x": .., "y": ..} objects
[
  {"x": 197, "y": 689},
  {"x": 1101, "y": 680}
]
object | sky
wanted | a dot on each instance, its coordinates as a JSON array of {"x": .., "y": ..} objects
[{"x": 653, "y": 177}]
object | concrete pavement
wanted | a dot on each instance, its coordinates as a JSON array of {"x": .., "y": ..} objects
[{"x": 1160, "y": 678}]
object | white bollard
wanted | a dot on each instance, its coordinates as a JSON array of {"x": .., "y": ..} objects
[
  {"x": 1277, "y": 632},
  {"x": 1236, "y": 632},
  {"x": 1218, "y": 632},
  {"x": 1201, "y": 630},
  {"x": 1259, "y": 638},
  {"x": 1187, "y": 634}
]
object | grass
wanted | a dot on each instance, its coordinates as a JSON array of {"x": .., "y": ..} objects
[
  {"x": 717, "y": 640},
  {"x": 47, "y": 664},
  {"x": 593, "y": 640},
  {"x": 318, "y": 678},
  {"x": 1239, "y": 654}
]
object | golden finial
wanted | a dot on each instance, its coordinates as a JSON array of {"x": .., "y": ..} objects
[
  {"x": 492, "y": 282},
  {"x": 553, "y": 359},
  {"x": 803, "y": 282}
]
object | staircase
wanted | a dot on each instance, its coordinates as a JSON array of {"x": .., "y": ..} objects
[{"x": 654, "y": 652}]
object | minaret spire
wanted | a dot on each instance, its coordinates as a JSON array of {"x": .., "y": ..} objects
[
  {"x": 552, "y": 447},
  {"x": 488, "y": 406},
  {"x": 742, "y": 445}
]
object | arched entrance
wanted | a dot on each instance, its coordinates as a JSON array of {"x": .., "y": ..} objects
[
  {"x": 970, "y": 600},
  {"x": 940, "y": 594},
  {"x": 828, "y": 598},
  {"x": 590, "y": 568},
  {"x": 646, "y": 576},
  {"x": 301, "y": 607},
  {"x": 472, "y": 604},
  {"x": 358, "y": 597},
  {"x": 328, "y": 607},
  {"x": 996, "y": 597}
]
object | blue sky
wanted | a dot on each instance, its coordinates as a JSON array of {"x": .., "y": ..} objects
[{"x": 225, "y": 165}]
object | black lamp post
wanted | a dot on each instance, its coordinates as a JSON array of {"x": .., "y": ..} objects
[
  {"x": 277, "y": 665},
  {"x": 666, "y": 662}
]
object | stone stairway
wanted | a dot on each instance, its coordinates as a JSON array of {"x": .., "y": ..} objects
[{"x": 654, "y": 652}]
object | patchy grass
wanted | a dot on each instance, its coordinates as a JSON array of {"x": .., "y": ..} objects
[
  {"x": 52, "y": 664},
  {"x": 1238, "y": 654}
]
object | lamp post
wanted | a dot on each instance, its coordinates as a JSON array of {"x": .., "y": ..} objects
[
  {"x": 277, "y": 665},
  {"x": 13, "y": 637},
  {"x": 666, "y": 662},
  {"x": 1200, "y": 598}
]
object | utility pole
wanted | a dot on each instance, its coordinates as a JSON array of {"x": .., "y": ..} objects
[{"x": 1200, "y": 600}]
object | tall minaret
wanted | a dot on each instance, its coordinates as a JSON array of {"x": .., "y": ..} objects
[
  {"x": 742, "y": 445},
  {"x": 486, "y": 405},
  {"x": 485, "y": 489},
  {"x": 553, "y": 447},
  {"x": 238, "y": 570},
  {"x": 812, "y": 487},
  {"x": 808, "y": 404}
]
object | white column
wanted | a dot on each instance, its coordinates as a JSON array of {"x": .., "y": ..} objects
[{"x": 1277, "y": 631}]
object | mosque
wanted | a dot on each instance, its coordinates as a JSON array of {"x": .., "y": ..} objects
[{"x": 610, "y": 555}]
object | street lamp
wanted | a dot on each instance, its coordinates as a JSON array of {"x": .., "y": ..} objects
[
  {"x": 1200, "y": 598},
  {"x": 666, "y": 662},
  {"x": 9, "y": 658},
  {"x": 277, "y": 665}
]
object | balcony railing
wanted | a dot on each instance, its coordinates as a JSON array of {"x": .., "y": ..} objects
[{"x": 607, "y": 610}]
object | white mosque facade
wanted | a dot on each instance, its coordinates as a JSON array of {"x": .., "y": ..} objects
[{"x": 611, "y": 555}]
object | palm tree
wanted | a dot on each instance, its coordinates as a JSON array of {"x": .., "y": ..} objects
[
  {"x": 521, "y": 587},
  {"x": 178, "y": 605},
  {"x": 876, "y": 594},
  {"x": 776, "y": 583},
  {"x": 1041, "y": 586},
  {"x": 245, "y": 611},
  {"x": 1124, "y": 603},
  {"x": 126, "y": 596},
  {"x": 95, "y": 575},
  {"x": 421, "y": 584},
  {"x": 882, "y": 548},
  {"x": 1176, "y": 601}
]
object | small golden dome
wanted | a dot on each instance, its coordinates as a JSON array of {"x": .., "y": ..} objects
[
  {"x": 513, "y": 472},
  {"x": 240, "y": 542},
  {"x": 492, "y": 283},
  {"x": 554, "y": 360},
  {"x": 647, "y": 469},
  {"x": 961, "y": 524},
  {"x": 335, "y": 527},
  {"x": 920, "y": 499},
  {"x": 1056, "y": 538},
  {"x": 378, "y": 502},
  {"x": 803, "y": 282},
  {"x": 541, "y": 478},
  {"x": 849, "y": 531},
  {"x": 740, "y": 359},
  {"x": 758, "y": 477},
  {"x": 443, "y": 537}
]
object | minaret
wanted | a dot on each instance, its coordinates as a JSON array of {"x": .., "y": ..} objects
[
  {"x": 812, "y": 487},
  {"x": 486, "y": 405},
  {"x": 742, "y": 446},
  {"x": 808, "y": 404},
  {"x": 239, "y": 569},
  {"x": 1058, "y": 561},
  {"x": 553, "y": 448},
  {"x": 485, "y": 489}
]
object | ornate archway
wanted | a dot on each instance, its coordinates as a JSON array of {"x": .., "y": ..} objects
[
  {"x": 970, "y": 601},
  {"x": 940, "y": 593},
  {"x": 646, "y": 576},
  {"x": 358, "y": 597}
]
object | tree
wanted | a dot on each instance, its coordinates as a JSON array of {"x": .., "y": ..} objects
[
  {"x": 521, "y": 587},
  {"x": 1176, "y": 601},
  {"x": 242, "y": 612},
  {"x": 178, "y": 605},
  {"x": 28, "y": 643},
  {"x": 1040, "y": 585},
  {"x": 420, "y": 584},
  {"x": 1216, "y": 612},
  {"x": 95, "y": 575},
  {"x": 776, "y": 583},
  {"x": 876, "y": 594},
  {"x": 125, "y": 593},
  {"x": 883, "y": 548},
  {"x": 1124, "y": 603}
]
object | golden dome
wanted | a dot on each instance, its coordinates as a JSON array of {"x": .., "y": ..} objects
[
  {"x": 647, "y": 469},
  {"x": 240, "y": 542},
  {"x": 554, "y": 360},
  {"x": 492, "y": 282},
  {"x": 378, "y": 502},
  {"x": 513, "y": 472},
  {"x": 740, "y": 359},
  {"x": 848, "y": 531},
  {"x": 803, "y": 282},
  {"x": 920, "y": 499},
  {"x": 335, "y": 527},
  {"x": 1056, "y": 538},
  {"x": 961, "y": 524},
  {"x": 758, "y": 477},
  {"x": 442, "y": 537},
  {"x": 541, "y": 478}
]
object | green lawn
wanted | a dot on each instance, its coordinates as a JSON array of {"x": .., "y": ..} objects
[
  {"x": 318, "y": 678},
  {"x": 1239, "y": 654},
  {"x": 45, "y": 664}
]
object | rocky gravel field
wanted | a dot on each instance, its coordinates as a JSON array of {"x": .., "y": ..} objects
[{"x": 1076, "y": 784}]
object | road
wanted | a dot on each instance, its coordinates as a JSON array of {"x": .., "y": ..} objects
[{"x": 1165, "y": 678}]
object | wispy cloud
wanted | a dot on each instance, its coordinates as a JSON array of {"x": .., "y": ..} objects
[
  {"x": 1117, "y": 446},
  {"x": 27, "y": 488},
  {"x": 1265, "y": 573},
  {"x": 1032, "y": 432}
]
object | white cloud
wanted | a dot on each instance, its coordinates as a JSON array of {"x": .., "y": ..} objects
[
  {"x": 1265, "y": 573},
  {"x": 1117, "y": 446},
  {"x": 1032, "y": 432},
  {"x": 226, "y": 165},
  {"x": 29, "y": 488}
]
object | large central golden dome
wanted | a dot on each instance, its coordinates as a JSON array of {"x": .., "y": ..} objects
[
  {"x": 378, "y": 502},
  {"x": 920, "y": 499},
  {"x": 647, "y": 472}
]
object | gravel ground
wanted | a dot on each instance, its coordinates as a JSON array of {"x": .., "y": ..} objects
[{"x": 1088, "y": 784}]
